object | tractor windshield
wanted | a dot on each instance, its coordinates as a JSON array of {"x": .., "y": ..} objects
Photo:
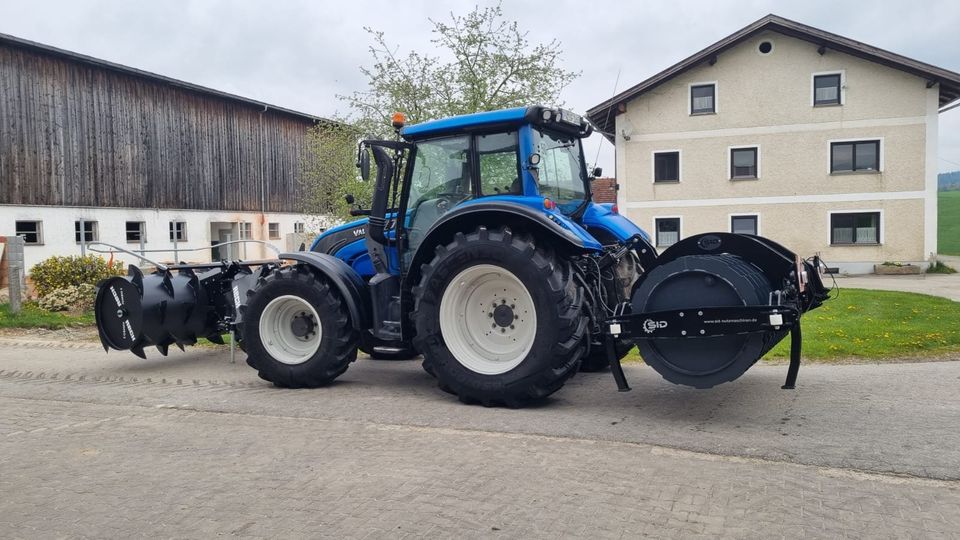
[{"x": 562, "y": 175}]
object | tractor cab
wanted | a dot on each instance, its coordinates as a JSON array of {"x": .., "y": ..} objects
[{"x": 530, "y": 157}]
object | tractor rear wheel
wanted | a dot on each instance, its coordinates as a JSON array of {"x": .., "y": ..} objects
[
  {"x": 499, "y": 320},
  {"x": 296, "y": 330}
]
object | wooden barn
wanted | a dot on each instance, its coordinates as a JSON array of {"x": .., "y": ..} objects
[{"x": 94, "y": 150}]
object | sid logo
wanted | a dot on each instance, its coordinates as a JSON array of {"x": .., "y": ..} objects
[
  {"x": 359, "y": 232},
  {"x": 709, "y": 243},
  {"x": 650, "y": 325}
]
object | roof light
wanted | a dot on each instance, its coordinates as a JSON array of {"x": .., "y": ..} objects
[
  {"x": 615, "y": 209},
  {"x": 548, "y": 204},
  {"x": 398, "y": 120}
]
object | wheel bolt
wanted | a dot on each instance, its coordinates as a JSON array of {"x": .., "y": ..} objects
[
  {"x": 503, "y": 330},
  {"x": 511, "y": 327},
  {"x": 494, "y": 325},
  {"x": 490, "y": 314}
]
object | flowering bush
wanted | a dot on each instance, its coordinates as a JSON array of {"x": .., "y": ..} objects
[
  {"x": 72, "y": 298},
  {"x": 61, "y": 272}
]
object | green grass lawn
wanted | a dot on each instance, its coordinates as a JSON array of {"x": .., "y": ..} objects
[
  {"x": 876, "y": 325},
  {"x": 31, "y": 316},
  {"x": 948, "y": 219}
]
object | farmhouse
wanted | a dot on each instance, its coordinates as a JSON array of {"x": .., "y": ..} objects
[
  {"x": 96, "y": 151},
  {"x": 820, "y": 142}
]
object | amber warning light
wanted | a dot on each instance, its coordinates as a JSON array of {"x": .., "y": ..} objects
[{"x": 399, "y": 120}]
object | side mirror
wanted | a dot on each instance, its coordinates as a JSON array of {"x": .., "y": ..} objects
[
  {"x": 349, "y": 198},
  {"x": 363, "y": 162},
  {"x": 597, "y": 172}
]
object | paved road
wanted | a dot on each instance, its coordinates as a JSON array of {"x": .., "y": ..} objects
[
  {"x": 945, "y": 285},
  {"x": 190, "y": 445}
]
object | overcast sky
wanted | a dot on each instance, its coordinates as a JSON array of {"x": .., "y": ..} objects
[{"x": 301, "y": 54}]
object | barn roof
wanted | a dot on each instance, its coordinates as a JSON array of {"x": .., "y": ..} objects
[
  {"x": 20, "y": 43},
  {"x": 602, "y": 115}
]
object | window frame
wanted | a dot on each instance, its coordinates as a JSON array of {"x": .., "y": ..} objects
[
  {"x": 756, "y": 161},
  {"x": 754, "y": 215},
  {"x": 94, "y": 231},
  {"x": 880, "y": 227},
  {"x": 270, "y": 230},
  {"x": 172, "y": 228},
  {"x": 142, "y": 231},
  {"x": 656, "y": 230},
  {"x": 299, "y": 227},
  {"x": 38, "y": 231},
  {"x": 245, "y": 230},
  {"x": 653, "y": 166},
  {"x": 841, "y": 91},
  {"x": 877, "y": 140},
  {"x": 716, "y": 98}
]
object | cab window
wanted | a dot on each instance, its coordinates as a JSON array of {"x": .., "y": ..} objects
[
  {"x": 440, "y": 180},
  {"x": 561, "y": 175},
  {"x": 499, "y": 164}
]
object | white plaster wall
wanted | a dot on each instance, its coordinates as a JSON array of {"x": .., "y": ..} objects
[{"x": 59, "y": 236}]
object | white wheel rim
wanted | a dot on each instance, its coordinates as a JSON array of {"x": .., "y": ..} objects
[
  {"x": 475, "y": 332},
  {"x": 277, "y": 329}
]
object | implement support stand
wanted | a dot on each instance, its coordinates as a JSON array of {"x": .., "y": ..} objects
[{"x": 794, "y": 369}]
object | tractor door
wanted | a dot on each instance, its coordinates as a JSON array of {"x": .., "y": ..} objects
[
  {"x": 449, "y": 171},
  {"x": 442, "y": 177}
]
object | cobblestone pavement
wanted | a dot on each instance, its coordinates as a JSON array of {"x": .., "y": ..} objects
[{"x": 111, "y": 446}]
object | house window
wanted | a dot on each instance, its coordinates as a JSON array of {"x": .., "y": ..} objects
[
  {"x": 246, "y": 230},
  {"x": 178, "y": 231},
  {"x": 89, "y": 231},
  {"x": 855, "y": 228},
  {"x": 666, "y": 166},
  {"x": 273, "y": 230},
  {"x": 136, "y": 231},
  {"x": 855, "y": 156},
  {"x": 30, "y": 231},
  {"x": 826, "y": 89},
  {"x": 744, "y": 224},
  {"x": 298, "y": 228},
  {"x": 703, "y": 98},
  {"x": 668, "y": 231},
  {"x": 743, "y": 163}
]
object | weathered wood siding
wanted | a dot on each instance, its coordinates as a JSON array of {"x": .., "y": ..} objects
[{"x": 76, "y": 134}]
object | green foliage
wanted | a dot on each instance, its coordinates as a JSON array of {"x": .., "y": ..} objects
[
  {"x": 948, "y": 221},
  {"x": 329, "y": 172},
  {"x": 492, "y": 65},
  {"x": 33, "y": 316},
  {"x": 60, "y": 272},
  {"x": 73, "y": 298},
  {"x": 939, "y": 267}
]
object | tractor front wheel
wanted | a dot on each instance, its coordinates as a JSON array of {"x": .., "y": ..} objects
[
  {"x": 297, "y": 331},
  {"x": 499, "y": 320}
]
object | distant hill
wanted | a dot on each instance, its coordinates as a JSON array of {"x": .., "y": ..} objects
[{"x": 948, "y": 181}]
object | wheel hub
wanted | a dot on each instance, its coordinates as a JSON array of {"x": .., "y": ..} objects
[
  {"x": 302, "y": 325},
  {"x": 503, "y": 315}
]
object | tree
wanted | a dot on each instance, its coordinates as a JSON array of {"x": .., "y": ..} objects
[
  {"x": 488, "y": 64},
  {"x": 329, "y": 173},
  {"x": 491, "y": 65}
]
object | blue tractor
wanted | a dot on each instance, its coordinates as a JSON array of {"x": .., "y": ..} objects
[{"x": 483, "y": 252}]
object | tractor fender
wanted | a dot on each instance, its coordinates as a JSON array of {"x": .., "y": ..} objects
[
  {"x": 494, "y": 213},
  {"x": 348, "y": 283}
]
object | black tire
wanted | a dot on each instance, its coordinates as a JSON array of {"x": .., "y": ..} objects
[
  {"x": 338, "y": 341},
  {"x": 369, "y": 343},
  {"x": 596, "y": 360},
  {"x": 561, "y": 334}
]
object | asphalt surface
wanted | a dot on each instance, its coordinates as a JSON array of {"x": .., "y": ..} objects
[
  {"x": 867, "y": 450},
  {"x": 945, "y": 285}
]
